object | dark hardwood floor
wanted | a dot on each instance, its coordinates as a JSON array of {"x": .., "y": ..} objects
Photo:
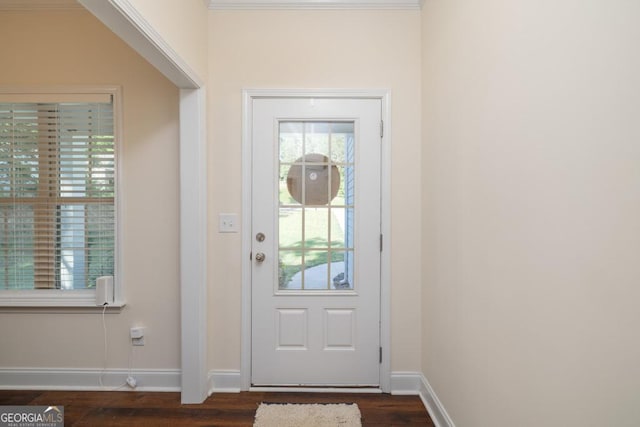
[{"x": 224, "y": 409}]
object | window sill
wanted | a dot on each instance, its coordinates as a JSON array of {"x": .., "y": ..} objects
[{"x": 54, "y": 300}]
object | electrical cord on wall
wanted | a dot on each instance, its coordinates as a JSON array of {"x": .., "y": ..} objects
[
  {"x": 104, "y": 334},
  {"x": 130, "y": 381}
]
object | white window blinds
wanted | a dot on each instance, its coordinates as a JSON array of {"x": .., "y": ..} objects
[{"x": 57, "y": 191}]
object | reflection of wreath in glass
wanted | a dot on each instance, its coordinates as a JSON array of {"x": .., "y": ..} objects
[{"x": 316, "y": 180}]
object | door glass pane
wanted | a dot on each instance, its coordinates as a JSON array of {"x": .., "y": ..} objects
[
  {"x": 345, "y": 189},
  {"x": 291, "y": 228},
  {"x": 290, "y": 270},
  {"x": 291, "y": 134},
  {"x": 341, "y": 269},
  {"x": 317, "y": 138},
  {"x": 316, "y": 209},
  {"x": 288, "y": 185},
  {"x": 342, "y": 143},
  {"x": 316, "y": 227},
  {"x": 316, "y": 270},
  {"x": 341, "y": 235}
]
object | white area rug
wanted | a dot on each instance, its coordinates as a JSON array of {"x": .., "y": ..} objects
[{"x": 304, "y": 415}]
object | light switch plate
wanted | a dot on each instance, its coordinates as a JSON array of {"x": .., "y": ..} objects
[{"x": 228, "y": 223}]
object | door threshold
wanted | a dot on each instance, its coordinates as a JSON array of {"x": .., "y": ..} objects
[{"x": 307, "y": 389}]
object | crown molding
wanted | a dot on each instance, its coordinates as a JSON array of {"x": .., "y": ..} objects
[
  {"x": 315, "y": 4},
  {"x": 7, "y": 5}
]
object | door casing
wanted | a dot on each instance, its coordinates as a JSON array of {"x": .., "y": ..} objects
[{"x": 385, "y": 274}]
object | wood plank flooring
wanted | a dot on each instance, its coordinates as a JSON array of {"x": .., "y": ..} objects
[{"x": 139, "y": 409}]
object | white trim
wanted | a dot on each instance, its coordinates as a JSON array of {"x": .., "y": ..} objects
[
  {"x": 88, "y": 379},
  {"x": 125, "y": 20},
  {"x": 405, "y": 383},
  {"x": 347, "y": 390},
  {"x": 385, "y": 261},
  {"x": 119, "y": 291},
  {"x": 54, "y": 299},
  {"x": 48, "y": 298},
  {"x": 224, "y": 381},
  {"x": 316, "y": 4},
  {"x": 193, "y": 244},
  {"x": 89, "y": 308},
  {"x": 245, "y": 351},
  {"x": 415, "y": 383},
  {"x": 385, "y": 274},
  {"x": 438, "y": 413}
]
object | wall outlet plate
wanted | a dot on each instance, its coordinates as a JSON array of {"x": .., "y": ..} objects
[
  {"x": 137, "y": 332},
  {"x": 228, "y": 223},
  {"x": 137, "y": 335}
]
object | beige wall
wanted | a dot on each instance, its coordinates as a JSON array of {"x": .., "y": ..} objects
[
  {"x": 531, "y": 204},
  {"x": 72, "y": 47},
  {"x": 313, "y": 49},
  {"x": 183, "y": 25}
]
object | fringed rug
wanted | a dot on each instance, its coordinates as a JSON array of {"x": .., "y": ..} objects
[{"x": 307, "y": 415}]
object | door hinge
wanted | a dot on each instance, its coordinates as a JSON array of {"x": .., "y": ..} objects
[
  {"x": 381, "y": 128},
  {"x": 381, "y": 242},
  {"x": 380, "y": 354}
]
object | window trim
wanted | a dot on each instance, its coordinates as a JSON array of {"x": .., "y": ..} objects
[{"x": 52, "y": 298}]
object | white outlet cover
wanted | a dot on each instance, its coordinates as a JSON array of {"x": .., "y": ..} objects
[{"x": 228, "y": 223}]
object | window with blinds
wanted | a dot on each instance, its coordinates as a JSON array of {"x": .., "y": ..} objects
[{"x": 57, "y": 191}]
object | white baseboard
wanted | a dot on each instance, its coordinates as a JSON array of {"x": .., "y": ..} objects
[
  {"x": 88, "y": 379},
  {"x": 402, "y": 383},
  {"x": 343, "y": 390},
  {"x": 405, "y": 383},
  {"x": 415, "y": 383},
  {"x": 224, "y": 381},
  {"x": 438, "y": 414}
]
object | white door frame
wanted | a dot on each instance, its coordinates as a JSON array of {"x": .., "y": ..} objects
[{"x": 385, "y": 296}]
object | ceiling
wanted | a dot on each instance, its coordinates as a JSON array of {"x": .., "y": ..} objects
[{"x": 314, "y": 4}]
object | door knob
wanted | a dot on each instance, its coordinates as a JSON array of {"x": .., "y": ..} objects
[{"x": 260, "y": 257}]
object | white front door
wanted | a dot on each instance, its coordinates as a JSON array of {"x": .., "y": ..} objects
[{"x": 315, "y": 285}]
